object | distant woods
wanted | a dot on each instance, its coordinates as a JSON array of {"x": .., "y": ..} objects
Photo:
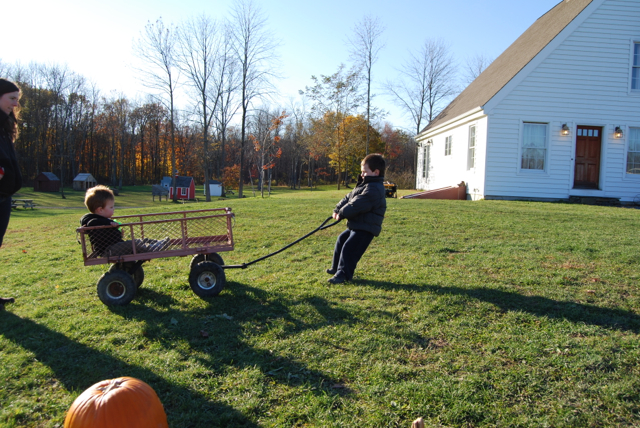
[{"x": 229, "y": 128}]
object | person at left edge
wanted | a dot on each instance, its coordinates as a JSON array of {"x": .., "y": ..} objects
[{"x": 11, "y": 178}]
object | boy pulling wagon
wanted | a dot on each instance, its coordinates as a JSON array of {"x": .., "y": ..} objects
[{"x": 364, "y": 208}]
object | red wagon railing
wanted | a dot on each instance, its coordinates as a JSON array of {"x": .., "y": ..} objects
[
  {"x": 151, "y": 236},
  {"x": 142, "y": 237}
]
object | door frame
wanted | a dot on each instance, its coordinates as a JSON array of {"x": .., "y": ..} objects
[{"x": 605, "y": 131}]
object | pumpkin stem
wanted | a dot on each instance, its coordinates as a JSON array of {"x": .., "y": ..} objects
[{"x": 112, "y": 385}]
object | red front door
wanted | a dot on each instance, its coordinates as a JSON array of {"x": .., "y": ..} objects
[{"x": 588, "y": 147}]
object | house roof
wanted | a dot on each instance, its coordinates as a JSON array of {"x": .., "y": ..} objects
[
  {"x": 84, "y": 176},
  {"x": 512, "y": 60},
  {"x": 183, "y": 181},
  {"x": 50, "y": 176},
  {"x": 215, "y": 182}
]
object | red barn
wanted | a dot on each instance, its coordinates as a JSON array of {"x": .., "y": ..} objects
[
  {"x": 46, "y": 182},
  {"x": 185, "y": 188}
]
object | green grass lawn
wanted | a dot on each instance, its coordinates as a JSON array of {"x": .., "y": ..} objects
[{"x": 469, "y": 314}]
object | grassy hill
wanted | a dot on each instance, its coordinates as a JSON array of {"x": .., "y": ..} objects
[{"x": 469, "y": 314}]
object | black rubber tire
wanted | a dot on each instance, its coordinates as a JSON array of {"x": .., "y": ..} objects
[
  {"x": 138, "y": 275},
  {"x": 207, "y": 279},
  {"x": 213, "y": 257},
  {"x": 116, "y": 288}
]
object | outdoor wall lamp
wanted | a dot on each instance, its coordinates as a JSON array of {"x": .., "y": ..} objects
[
  {"x": 617, "y": 133},
  {"x": 565, "y": 130}
]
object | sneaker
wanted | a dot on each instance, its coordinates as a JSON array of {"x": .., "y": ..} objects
[
  {"x": 331, "y": 271},
  {"x": 336, "y": 279}
]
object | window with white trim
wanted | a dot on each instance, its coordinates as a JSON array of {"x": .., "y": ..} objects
[
  {"x": 635, "y": 70},
  {"x": 183, "y": 191},
  {"x": 633, "y": 151},
  {"x": 447, "y": 145},
  {"x": 471, "y": 159},
  {"x": 424, "y": 161},
  {"x": 534, "y": 146}
]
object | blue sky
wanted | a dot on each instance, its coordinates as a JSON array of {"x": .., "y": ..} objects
[{"x": 94, "y": 38}]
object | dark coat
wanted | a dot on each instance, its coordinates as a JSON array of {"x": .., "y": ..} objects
[
  {"x": 12, "y": 180},
  {"x": 101, "y": 239},
  {"x": 364, "y": 206}
]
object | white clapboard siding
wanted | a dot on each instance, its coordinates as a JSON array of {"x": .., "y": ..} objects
[
  {"x": 445, "y": 171},
  {"x": 582, "y": 77},
  {"x": 585, "y": 81}
]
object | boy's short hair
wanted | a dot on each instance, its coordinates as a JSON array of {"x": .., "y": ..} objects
[
  {"x": 375, "y": 161},
  {"x": 97, "y": 197}
]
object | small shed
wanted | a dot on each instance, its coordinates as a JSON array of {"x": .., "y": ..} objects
[
  {"x": 46, "y": 182},
  {"x": 84, "y": 181},
  {"x": 185, "y": 188},
  {"x": 215, "y": 188},
  {"x": 166, "y": 182}
]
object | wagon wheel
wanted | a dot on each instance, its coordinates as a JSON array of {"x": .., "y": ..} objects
[
  {"x": 138, "y": 274},
  {"x": 207, "y": 279},
  {"x": 213, "y": 257},
  {"x": 116, "y": 287}
]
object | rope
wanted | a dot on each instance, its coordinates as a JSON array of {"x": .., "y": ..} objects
[{"x": 321, "y": 227}]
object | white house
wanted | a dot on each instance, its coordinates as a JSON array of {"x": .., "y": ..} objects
[{"x": 556, "y": 115}]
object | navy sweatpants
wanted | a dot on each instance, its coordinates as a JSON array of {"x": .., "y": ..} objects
[{"x": 350, "y": 246}]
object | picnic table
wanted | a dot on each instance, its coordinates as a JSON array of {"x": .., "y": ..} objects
[
  {"x": 157, "y": 190},
  {"x": 24, "y": 203}
]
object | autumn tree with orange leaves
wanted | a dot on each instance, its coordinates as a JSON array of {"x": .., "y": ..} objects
[
  {"x": 230, "y": 176},
  {"x": 334, "y": 98}
]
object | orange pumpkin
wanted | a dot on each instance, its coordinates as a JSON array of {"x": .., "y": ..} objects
[{"x": 124, "y": 402}]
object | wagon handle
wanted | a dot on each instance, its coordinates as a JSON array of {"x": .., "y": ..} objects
[{"x": 321, "y": 227}]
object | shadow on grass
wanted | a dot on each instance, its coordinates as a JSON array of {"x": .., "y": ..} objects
[
  {"x": 616, "y": 319},
  {"x": 224, "y": 329},
  {"x": 78, "y": 367}
]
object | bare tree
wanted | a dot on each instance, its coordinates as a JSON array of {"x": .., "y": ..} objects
[
  {"x": 365, "y": 47},
  {"x": 426, "y": 82},
  {"x": 228, "y": 80},
  {"x": 297, "y": 132},
  {"x": 266, "y": 139},
  {"x": 255, "y": 49},
  {"x": 474, "y": 66},
  {"x": 5, "y": 69},
  {"x": 65, "y": 86},
  {"x": 199, "y": 40},
  {"x": 157, "y": 47}
]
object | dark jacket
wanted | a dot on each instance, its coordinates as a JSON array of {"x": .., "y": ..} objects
[
  {"x": 12, "y": 180},
  {"x": 101, "y": 239},
  {"x": 364, "y": 206}
]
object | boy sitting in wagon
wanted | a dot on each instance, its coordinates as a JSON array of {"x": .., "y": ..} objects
[{"x": 108, "y": 241}]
